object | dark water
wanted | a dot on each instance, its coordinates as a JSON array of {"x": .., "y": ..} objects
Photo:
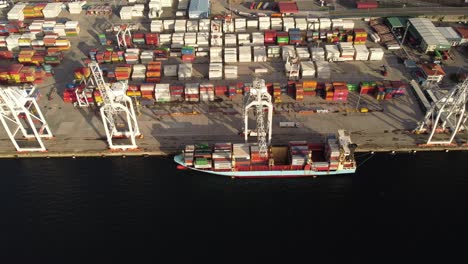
[{"x": 396, "y": 209}]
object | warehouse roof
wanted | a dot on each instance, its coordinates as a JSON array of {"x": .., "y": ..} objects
[
  {"x": 463, "y": 31},
  {"x": 432, "y": 69},
  {"x": 449, "y": 33},
  {"x": 428, "y": 31},
  {"x": 288, "y": 7},
  {"x": 395, "y": 22},
  {"x": 199, "y": 5}
]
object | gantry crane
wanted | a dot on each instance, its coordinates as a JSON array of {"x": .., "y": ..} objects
[
  {"x": 116, "y": 106},
  {"x": 449, "y": 112},
  {"x": 123, "y": 35},
  {"x": 21, "y": 116},
  {"x": 259, "y": 97}
]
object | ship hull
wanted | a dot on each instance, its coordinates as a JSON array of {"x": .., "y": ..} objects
[{"x": 179, "y": 159}]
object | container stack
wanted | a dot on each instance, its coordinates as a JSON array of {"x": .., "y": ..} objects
[
  {"x": 313, "y": 23},
  {"x": 295, "y": 36},
  {"x": 376, "y": 54},
  {"x": 230, "y": 55},
  {"x": 230, "y": 72},
  {"x": 323, "y": 70},
  {"x": 309, "y": 88},
  {"x": 299, "y": 91},
  {"x": 362, "y": 54},
  {"x": 243, "y": 39},
  {"x": 138, "y": 39},
  {"x": 147, "y": 90},
  {"x": 156, "y": 26},
  {"x": 185, "y": 71},
  {"x": 72, "y": 28},
  {"x": 332, "y": 52},
  {"x": 153, "y": 72},
  {"x": 192, "y": 25},
  {"x": 122, "y": 73},
  {"x": 273, "y": 51},
  {"x": 222, "y": 156},
  {"x": 188, "y": 155},
  {"x": 277, "y": 93},
  {"x": 360, "y": 36},
  {"x": 230, "y": 40},
  {"x": 301, "y": 23},
  {"x": 190, "y": 39},
  {"x": 202, "y": 157},
  {"x": 216, "y": 54},
  {"x": 75, "y": 8},
  {"x": 162, "y": 93},
  {"x": 288, "y": 23},
  {"x": 132, "y": 56},
  {"x": 180, "y": 25},
  {"x": 346, "y": 51},
  {"x": 318, "y": 54},
  {"x": 325, "y": 23},
  {"x": 137, "y": 10},
  {"x": 245, "y": 54},
  {"x": 177, "y": 92},
  {"x": 139, "y": 72},
  {"x": 282, "y": 38},
  {"x": 165, "y": 39},
  {"x": 216, "y": 39},
  {"x": 303, "y": 53},
  {"x": 232, "y": 91},
  {"x": 152, "y": 39},
  {"x": 340, "y": 92},
  {"x": 264, "y": 23},
  {"x": 12, "y": 42},
  {"x": 298, "y": 153},
  {"x": 241, "y": 156},
  {"x": 270, "y": 37},
  {"x": 52, "y": 10},
  {"x": 16, "y": 13},
  {"x": 276, "y": 23},
  {"x": 177, "y": 40},
  {"x": 215, "y": 71},
  {"x": 221, "y": 90},
  {"x": 203, "y": 39},
  {"x": 32, "y": 11},
  {"x": 307, "y": 69},
  {"x": 207, "y": 92},
  {"x": 367, "y": 87},
  {"x": 192, "y": 92},
  {"x": 252, "y": 24},
  {"x": 258, "y": 39},
  {"x": 240, "y": 24},
  {"x": 259, "y": 54},
  {"x": 188, "y": 54},
  {"x": 332, "y": 153},
  {"x": 204, "y": 25},
  {"x": 126, "y": 12}
]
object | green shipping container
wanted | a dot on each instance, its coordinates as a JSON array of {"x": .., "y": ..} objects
[
  {"x": 201, "y": 161},
  {"x": 282, "y": 40},
  {"x": 202, "y": 146},
  {"x": 352, "y": 87}
]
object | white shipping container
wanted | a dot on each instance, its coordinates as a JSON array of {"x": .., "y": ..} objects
[
  {"x": 185, "y": 71},
  {"x": 230, "y": 40},
  {"x": 169, "y": 24},
  {"x": 230, "y": 72},
  {"x": 243, "y": 39},
  {"x": 245, "y": 54},
  {"x": 170, "y": 70},
  {"x": 259, "y": 54},
  {"x": 264, "y": 23},
  {"x": 376, "y": 54}
]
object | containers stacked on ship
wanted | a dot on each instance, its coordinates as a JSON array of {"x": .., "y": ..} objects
[
  {"x": 332, "y": 153},
  {"x": 303, "y": 53},
  {"x": 323, "y": 70},
  {"x": 277, "y": 93},
  {"x": 222, "y": 157},
  {"x": 207, "y": 92},
  {"x": 192, "y": 92},
  {"x": 132, "y": 56},
  {"x": 317, "y": 53},
  {"x": 241, "y": 156},
  {"x": 202, "y": 156},
  {"x": 230, "y": 72},
  {"x": 221, "y": 90},
  {"x": 188, "y": 54},
  {"x": 153, "y": 72},
  {"x": 258, "y": 39},
  {"x": 147, "y": 56},
  {"x": 122, "y": 72},
  {"x": 298, "y": 154},
  {"x": 230, "y": 55},
  {"x": 162, "y": 93},
  {"x": 309, "y": 87},
  {"x": 177, "y": 92},
  {"x": 245, "y": 54},
  {"x": 299, "y": 91},
  {"x": 307, "y": 69},
  {"x": 264, "y": 23},
  {"x": 255, "y": 158},
  {"x": 138, "y": 72}
]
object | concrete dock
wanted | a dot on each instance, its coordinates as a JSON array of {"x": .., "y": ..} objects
[{"x": 167, "y": 127}]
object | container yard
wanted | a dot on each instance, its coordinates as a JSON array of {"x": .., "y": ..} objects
[{"x": 182, "y": 79}]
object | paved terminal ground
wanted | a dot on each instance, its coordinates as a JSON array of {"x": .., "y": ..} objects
[{"x": 167, "y": 127}]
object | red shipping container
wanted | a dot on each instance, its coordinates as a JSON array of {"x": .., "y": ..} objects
[{"x": 366, "y": 5}]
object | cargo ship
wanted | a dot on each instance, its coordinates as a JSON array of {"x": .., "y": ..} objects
[{"x": 334, "y": 155}]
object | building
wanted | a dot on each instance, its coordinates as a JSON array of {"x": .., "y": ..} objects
[
  {"x": 395, "y": 23},
  {"x": 432, "y": 72},
  {"x": 451, "y": 35},
  {"x": 429, "y": 38},
  {"x": 463, "y": 32},
  {"x": 199, "y": 9},
  {"x": 287, "y": 8}
]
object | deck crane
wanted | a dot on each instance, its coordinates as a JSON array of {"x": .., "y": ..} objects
[
  {"x": 449, "y": 112},
  {"x": 116, "y": 105},
  {"x": 21, "y": 116},
  {"x": 259, "y": 97}
]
